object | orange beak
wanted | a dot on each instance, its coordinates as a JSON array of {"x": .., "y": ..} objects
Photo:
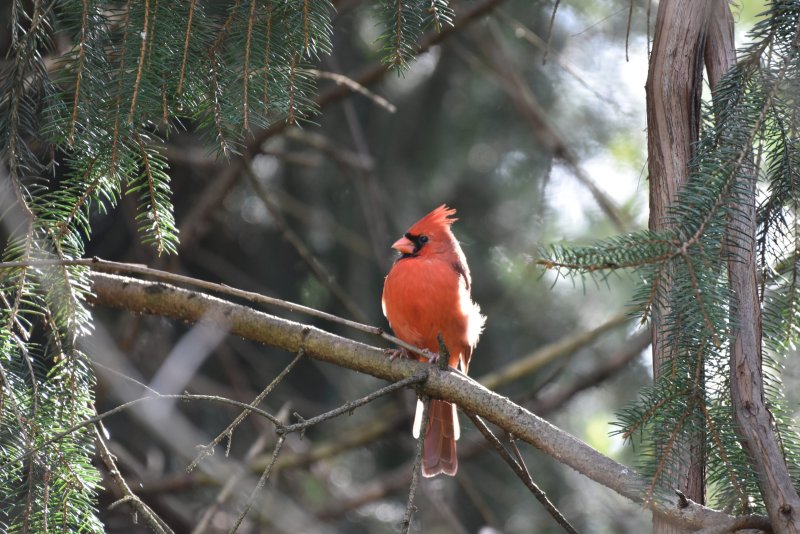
[{"x": 404, "y": 245}]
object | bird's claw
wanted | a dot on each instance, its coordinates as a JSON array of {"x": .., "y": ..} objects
[{"x": 401, "y": 353}]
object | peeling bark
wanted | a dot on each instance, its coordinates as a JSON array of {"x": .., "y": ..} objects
[{"x": 673, "y": 89}]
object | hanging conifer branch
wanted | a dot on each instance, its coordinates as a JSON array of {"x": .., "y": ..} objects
[
  {"x": 708, "y": 260},
  {"x": 192, "y": 5},
  {"x": 246, "y": 76},
  {"x": 79, "y": 70},
  {"x": 143, "y": 47}
]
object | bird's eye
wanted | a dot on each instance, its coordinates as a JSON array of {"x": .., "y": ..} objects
[{"x": 423, "y": 239}]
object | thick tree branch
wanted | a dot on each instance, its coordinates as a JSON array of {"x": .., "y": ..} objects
[
  {"x": 165, "y": 300},
  {"x": 747, "y": 383}
]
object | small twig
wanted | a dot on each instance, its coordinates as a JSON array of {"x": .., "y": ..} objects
[
  {"x": 523, "y": 32},
  {"x": 261, "y": 481},
  {"x": 628, "y": 31},
  {"x": 230, "y": 485},
  {"x": 285, "y": 430},
  {"x": 352, "y": 405},
  {"x": 139, "y": 507},
  {"x": 209, "y": 449},
  {"x": 444, "y": 354},
  {"x": 353, "y": 86},
  {"x": 522, "y": 472},
  {"x": 550, "y": 32},
  {"x": 412, "y": 490}
]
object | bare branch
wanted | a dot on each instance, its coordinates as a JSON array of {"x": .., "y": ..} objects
[
  {"x": 415, "y": 471},
  {"x": 522, "y": 472},
  {"x": 152, "y": 519},
  {"x": 261, "y": 481},
  {"x": 161, "y": 299},
  {"x": 209, "y": 449}
]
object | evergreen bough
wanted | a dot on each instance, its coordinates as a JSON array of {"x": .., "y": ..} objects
[
  {"x": 749, "y": 133},
  {"x": 81, "y": 129}
]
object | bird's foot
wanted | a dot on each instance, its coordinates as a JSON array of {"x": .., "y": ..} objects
[
  {"x": 440, "y": 362},
  {"x": 401, "y": 353}
]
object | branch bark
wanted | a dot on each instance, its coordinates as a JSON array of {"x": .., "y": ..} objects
[
  {"x": 673, "y": 90},
  {"x": 747, "y": 382},
  {"x": 169, "y": 301}
]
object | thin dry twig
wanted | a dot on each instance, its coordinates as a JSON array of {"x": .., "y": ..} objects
[
  {"x": 523, "y": 32},
  {"x": 628, "y": 31},
  {"x": 209, "y": 449},
  {"x": 127, "y": 405},
  {"x": 285, "y": 430},
  {"x": 230, "y": 485},
  {"x": 139, "y": 507},
  {"x": 261, "y": 481},
  {"x": 355, "y": 87},
  {"x": 522, "y": 472},
  {"x": 415, "y": 472},
  {"x": 550, "y": 32},
  {"x": 348, "y": 407}
]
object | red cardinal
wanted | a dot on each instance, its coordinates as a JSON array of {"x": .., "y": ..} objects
[{"x": 426, "y": 292}]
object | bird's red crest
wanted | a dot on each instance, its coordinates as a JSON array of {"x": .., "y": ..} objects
[{"x": 441, "y": 217}]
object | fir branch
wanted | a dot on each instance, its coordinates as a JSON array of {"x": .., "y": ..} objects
[
  {"x": 290, "y": 119},
  {"x": 192, "y": 5},
  {"x": 156, "y": 221},
  {"x": 246, "y": 75},
  {"x": 120, "y": 80},
  {"x": 79, "y": 72},
  {"x": 306, "y": 38},
  {"x": 698, "y": 295},
  {"x": 137, "y": 82},
  {"x": 721, "y": 448},
  {"x": 267, "y": 43},
  {"x": 82, "y": 200}
]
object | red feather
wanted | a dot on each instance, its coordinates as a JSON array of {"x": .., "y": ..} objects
[{"x": 427, "y": 292}]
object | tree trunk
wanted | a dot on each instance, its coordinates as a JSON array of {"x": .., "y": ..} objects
[
  {"x": 687, "y": 32},
  {"x": 747, "y": 384},
  {"x": 673, "y": 90}
]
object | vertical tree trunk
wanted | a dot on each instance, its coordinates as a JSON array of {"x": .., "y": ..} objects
[
  {"x": 687, "y": 32},
  {"x": 673, "y": 90},
  {"x": 747, "y": 384}
]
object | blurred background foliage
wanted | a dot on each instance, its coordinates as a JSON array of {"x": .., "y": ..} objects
[{"x": 348, "y": 183}]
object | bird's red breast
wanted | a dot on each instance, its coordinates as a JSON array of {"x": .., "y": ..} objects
[{"x": 427, "y": 292}]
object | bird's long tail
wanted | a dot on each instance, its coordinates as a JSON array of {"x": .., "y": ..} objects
[{"x": 439, "y": 451}]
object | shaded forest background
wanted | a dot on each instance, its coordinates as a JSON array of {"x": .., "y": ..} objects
[{"x": 484, "y": 122}]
